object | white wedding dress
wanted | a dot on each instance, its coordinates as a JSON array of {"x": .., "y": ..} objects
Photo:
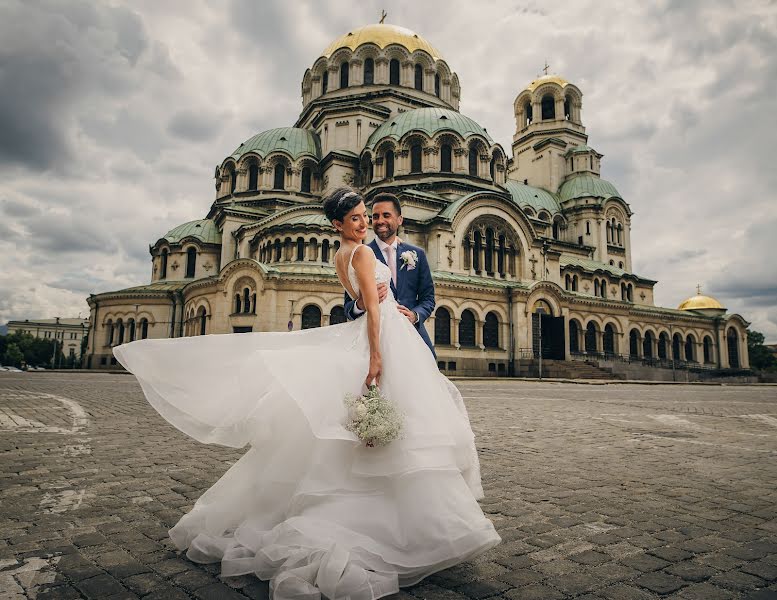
[{"x": 309, "y": 507}]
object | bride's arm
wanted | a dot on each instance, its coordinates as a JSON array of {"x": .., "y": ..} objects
[{"x": 364, "y": 265}]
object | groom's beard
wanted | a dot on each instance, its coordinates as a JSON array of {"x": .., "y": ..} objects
[{"x": 386, "y": 234}]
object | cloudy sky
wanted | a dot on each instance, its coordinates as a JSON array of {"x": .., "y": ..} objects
[{"x": 113, "y": 116}]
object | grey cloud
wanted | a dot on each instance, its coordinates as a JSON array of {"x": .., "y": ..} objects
[
  {"x": 193, "y": 126},
  {"x": 15, "y": 208}
]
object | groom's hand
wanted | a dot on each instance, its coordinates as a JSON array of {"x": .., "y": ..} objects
[
  {"x": 412, "y": 316},
  {"x": 382, "y": 293}
]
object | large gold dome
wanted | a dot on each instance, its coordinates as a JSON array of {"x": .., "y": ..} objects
[
  {"x": 700, "y": 302},
  {"x": 382, "y": 35}
]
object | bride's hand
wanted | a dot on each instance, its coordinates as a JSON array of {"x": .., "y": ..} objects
[{"x": 375, "y": 372}]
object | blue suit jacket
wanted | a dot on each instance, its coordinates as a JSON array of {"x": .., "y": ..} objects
[{"x": 414, "y": 288}]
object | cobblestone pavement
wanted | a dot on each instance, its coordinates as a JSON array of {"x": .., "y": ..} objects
[{"x": 621, "y": 492}]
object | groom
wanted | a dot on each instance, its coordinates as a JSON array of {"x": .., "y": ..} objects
[{"x": 411, "y": 278}]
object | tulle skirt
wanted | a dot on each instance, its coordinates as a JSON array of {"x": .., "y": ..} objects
[{"x": 310, "y": 507}]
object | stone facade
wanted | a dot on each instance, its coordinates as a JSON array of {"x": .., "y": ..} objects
[
  {"x": 526, "y": 248},
  {"x": 68, "y": 332}
]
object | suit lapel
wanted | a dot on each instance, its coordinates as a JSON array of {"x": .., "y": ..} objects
[{"x": 400, "y": 270}]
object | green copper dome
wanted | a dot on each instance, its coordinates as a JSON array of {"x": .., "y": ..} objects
[
  {"x": 294, "y": 141},
  {"x": 536, "y": 198},
  {"x": 585, "y": 186},
  {"x": 429, "y": 121},
  {"x": 204, "y": 230}
]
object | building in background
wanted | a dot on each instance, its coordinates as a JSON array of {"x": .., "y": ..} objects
[
  {"x": 530, "y": 248},
  {"x": 69, "y": 333}
]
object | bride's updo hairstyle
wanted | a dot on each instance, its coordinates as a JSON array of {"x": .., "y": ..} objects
[{"x": 340, "y": 202}]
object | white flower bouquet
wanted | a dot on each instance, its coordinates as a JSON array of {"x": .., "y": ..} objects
[{"x": 373, "y": 417}]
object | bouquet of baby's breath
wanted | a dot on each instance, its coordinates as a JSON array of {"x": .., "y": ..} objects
[{"x": 373, "y": 417}]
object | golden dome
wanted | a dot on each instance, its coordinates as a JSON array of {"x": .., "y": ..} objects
[
  {"x": 546, "y": 79},
  {"x": 700, "y": 302},
  {"x": 382, "y": 35}
]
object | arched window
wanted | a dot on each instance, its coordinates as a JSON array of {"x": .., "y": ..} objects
[
  {"x": 630, "y": 292},
  {"x": 677, "y": 342},
  {"x": 609, "y": 339},
  {"x": 232, "y": 180},
  {"x": 311, "y": 316},
  {"x": 253, "y": 176},
  {"x": 473, "y": 161},
  {"x": 500, "y": 255},
  {"x": 620, "y": 231},
  {"x": 203, "y": 319},
  {"x": 555, "y": 230},
  {"x": 437, "y": 85},
  {"x": 277, "y": 248},
  {"x": 238, "y": 304},
  {"x": 325, "y": 81},
  {"x": 491, "y": 331},
  {"x": 527, "y": 110},
  {"x": 588, "y": 227},
  {"x": 300, "y": 249},
  {"x": 467, "y": 329},
  {"x": 574, "y": 336},
  {"x": 253, "y": 303},
  {"x": 567, "y": 282},
  {"x": 415, "y": 158},
  {"x": 590, "y": 337},
  {"x": 279, "y": 180},
  {"x": 567, "y": 109},
  {"x": 707, "y": 350},
  {"x": 394, "y": 72},
  {"x": 491, "y": 168},
  {"x": 608, "y": 227},
  {"x": 163, "y": 265},
  {"x": 489, "y": 251},
  {"x": 663, "y": 345},
  {"x": 548, "y": 107},
  {"x": 476, "y": 250},
  {"x": 442, "y": 327},
  {"x": 732, "y": 343},
  {"x": 419, "y": 77},
  {"x": 596, "y": 287},
  {"x": 389, "y": 164},
  {"x": 246, "y": 300},
  {"x": 131, "y": 329},
  {"x": 306, "y": 175},
  {"x": 344, "y": 67},
  {"x": 603, "y": 288},
  {"x": 446, "y": 162},
  {"x": 574, "y": 283},
  {"x": 633, "y": 343},
  {"x": 647, "y": 345},
  {"x": 337, "y": 315},
  {"x": 325, "y": 251},
  {"x": 689, "y": 348},
  {"x": 143, "y": 329},
  {"x": 120, "y": 325},
  {"x": 369, "y": 71},
  {"x": 191, "y": 261},
  {"x": 109, "y": 332}
]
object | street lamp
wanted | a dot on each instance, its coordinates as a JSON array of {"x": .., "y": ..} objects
[
  {"x": 540, "y": 310},
  {"x": 54, "y": 354}
]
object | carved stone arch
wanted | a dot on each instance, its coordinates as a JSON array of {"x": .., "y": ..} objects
[
  {"x": 275, "y": 158},
  {"x": 412, "y": 137},
  {"x": 596, "y": 320},
  {"x": 368, "y": 50},
  {"x": 442, "y": 69},
  {"x": 486, "y": 204},
  {"x": 307, "y": 80},
  {"x": 522, "y": 100},
  {"x": 455, "y": 86},
  {"x": 423, "y": 58},
  {"x": 471, "y": 306},
  {"x": 550, "y": 88},
  {"x": 449, "y": 304},
  {"x": 498, "y": 310},
  {"x": 385, "y": 145},
  {"x": 547, "y": 291},
  {"x": 455, "y": 140},
  {"x": 574, "y": 94},
  {"x": 477, "y": 142},
  {"x": 396, "y": 51},
  {"x": 341, "y": 56},
  {"x": 248, "y": 159}
]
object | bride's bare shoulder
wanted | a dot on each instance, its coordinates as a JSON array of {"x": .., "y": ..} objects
[{"x": 361, "y": 257}]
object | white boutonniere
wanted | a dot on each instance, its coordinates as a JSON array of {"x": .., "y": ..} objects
[{"x": 409, "y": 259}]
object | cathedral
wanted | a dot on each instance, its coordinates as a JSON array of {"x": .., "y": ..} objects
[{"x": 530, "y": 249}]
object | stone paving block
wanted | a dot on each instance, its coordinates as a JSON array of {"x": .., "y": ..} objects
[
  {"x": 660, "y": 583},
  {"x": 218, "y": 591},
  {"x": 193, "y": 579},
  {"x": 761, "y": 595},
  {"x": 535, "y": 591},
  {"x": 705, "y": 591},
  {"x": 644, "y": 562},
  {"x": 736, "y": 580},
  {"x": 590, "y": 557},
  {"x": 99, "y": 587},
  {"x": 573, "y": 584},
  {"x": 59, "y": 592},
  {"x": 625, "y": 592},
  {"x": 691, "y": 571},
  {"x": 144, "y": 583},
  {"x": 670, "y": 554},
  {"x": 483, "y": 589},
  {"x": 761, "y": 568},
  {"x": 521, "y": 577}
]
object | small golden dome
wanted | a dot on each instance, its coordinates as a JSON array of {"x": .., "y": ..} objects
[
  {"x": 382, "y": 35},
  {"x": 700, "y": 302},
  {"x": 546, "y": 79}
]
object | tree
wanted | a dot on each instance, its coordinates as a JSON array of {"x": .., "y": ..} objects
[
  {"x": 761, "y": 357},
  {"x": 13, "y": 355}
]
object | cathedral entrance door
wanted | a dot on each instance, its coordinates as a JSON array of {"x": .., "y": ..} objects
[
  {"x": 242, "y": 329},
  {"x": 550, "y": 330}
]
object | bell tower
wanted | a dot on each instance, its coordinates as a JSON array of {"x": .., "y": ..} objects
[{"x": 548, "y": 125}]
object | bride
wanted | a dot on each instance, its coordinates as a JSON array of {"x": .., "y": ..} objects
[{"x": 309, "y": 507}]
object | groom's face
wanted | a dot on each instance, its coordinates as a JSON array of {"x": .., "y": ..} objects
[{"x": 385, "y": 221}]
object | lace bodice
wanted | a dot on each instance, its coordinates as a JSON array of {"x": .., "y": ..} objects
[{"x": 382, "y": 272}]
